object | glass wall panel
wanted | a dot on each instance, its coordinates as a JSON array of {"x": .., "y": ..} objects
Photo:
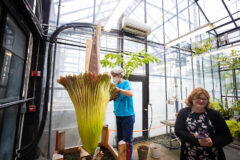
[
  {"x": 157, "y": 92},
  {"x": 227, "y": 83},
  {"x": 183, "y": 17},
  {"x": 173, "y": 81},
  {"x": 237, "y": 72},
  {"x": 11, "y": 62},
  {"x": 138, "y": 107},
  {"x": 135, "y": 11},
  {"x": 170, "y": 21},
  {"x": 132, "y": 46},
  {"x": 233, "y": 6},
  {"x": 208, "y": 75},
  {"x": 154, "y": 19},
  {"x": 213, "y": 13},
  {"x": 194, "y": 15},
  {"x": 216, "y": 80},
  {"x": 71, "y": 12},
  {"x": 198, "y": 71},
  {"x": 103, "y": 10},
  {"x": 227, "y": 87},
  {"x": 187, "y": 75},
  {"x": 53, "y": 16},
  {"x": 14, "y": 39},
  {"x": 171, "y": 29}
]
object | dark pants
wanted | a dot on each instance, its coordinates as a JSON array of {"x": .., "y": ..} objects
[{"x": 125, "y": 130}]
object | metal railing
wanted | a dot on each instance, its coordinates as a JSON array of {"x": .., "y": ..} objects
[{"x": 9, "y": 104}]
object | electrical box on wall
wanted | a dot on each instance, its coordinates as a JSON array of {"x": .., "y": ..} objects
[
  {"x": 36, "y": 73},
  {"x": 32, "y": 108}
]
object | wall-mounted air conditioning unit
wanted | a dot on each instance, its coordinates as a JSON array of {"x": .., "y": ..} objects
[{"x": 135, "y": 27}]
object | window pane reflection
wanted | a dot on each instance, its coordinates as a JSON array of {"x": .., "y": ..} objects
[
  {"x": 14, "y": 39},
  {"x": 11, "y": 71}
]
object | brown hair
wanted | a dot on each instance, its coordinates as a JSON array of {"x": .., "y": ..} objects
[{"x": 195, "y": 94}]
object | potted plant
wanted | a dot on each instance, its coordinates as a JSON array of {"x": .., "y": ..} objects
[
  {"x": 216, "y": 105},
  {"x": 226, "y": 113},
  {"x": 236, "y": 108},
  {"x": 142, "y": 152},
  {"x": 234, "y": 128}
]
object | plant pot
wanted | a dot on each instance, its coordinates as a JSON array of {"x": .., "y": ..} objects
[
  {"x": 235, "y": 113},
  {"x": 78, "y": 153},
  {"x": 238, "y": 138},
  {"x": 142, "y": 152},
  {"x": 155, "y": 150}
]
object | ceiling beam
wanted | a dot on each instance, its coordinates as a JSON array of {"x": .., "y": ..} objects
[{"x": 230, "y": 15}]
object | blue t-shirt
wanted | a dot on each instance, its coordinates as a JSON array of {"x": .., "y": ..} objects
[{"x": 123, "y": 106}]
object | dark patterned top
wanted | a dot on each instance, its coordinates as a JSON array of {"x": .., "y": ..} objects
[
  {"x": 220, "y": 138},
  {"x": 196, "y": 123}
]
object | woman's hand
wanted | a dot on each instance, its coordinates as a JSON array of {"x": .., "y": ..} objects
[
  {"x": 195, "y": 135},
  {"x": 207, "y": 142}
]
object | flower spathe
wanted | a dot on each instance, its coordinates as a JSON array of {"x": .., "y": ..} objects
[{"x": 90, "y": 94}]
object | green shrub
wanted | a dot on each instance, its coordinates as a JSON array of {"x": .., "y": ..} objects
[{"x": 234, "y": 128}]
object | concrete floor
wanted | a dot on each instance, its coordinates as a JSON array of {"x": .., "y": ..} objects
[{"x": 166, "y": 154}]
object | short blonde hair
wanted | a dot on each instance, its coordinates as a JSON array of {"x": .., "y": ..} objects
[{"x": 195, "y": 94}]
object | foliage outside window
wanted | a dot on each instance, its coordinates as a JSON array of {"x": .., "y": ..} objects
[
  {"x": 203, "y": 46},
  {"x": 231, "y": 61}
]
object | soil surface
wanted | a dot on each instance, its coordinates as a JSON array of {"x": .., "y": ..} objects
[
  {"x": 107, "y": 155},
  {"x": 142, "y": 149},
  {"x": 71, "y": 156}
]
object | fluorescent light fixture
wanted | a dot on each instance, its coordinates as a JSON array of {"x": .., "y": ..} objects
[
  {"x": 117, "y": 12},
  {"x": 225, "y": 49},
  {"x": 189, "y": 35}
]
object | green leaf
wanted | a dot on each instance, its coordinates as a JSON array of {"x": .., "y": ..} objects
[{"x": 136, "y": 60}]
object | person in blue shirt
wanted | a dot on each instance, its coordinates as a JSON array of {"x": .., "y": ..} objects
[{"x": 123, "y": 108}]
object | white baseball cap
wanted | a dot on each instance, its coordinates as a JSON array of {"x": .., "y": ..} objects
[{"x": 118, "y": 71}]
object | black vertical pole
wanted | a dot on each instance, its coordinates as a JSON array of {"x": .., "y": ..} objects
[
  {"x": 236, "y": 87},
  {"x": 189, "y": 22},
  {"x": 165, "y": 66},
  {"x": 145, "y": 134},
  {"x": 220, "y": 81},
  {"x": 203, "y": 75},
  {"x": 180, "y": 63},
  {"x": 234, "y": 84},
  {"x": 52, "y": 89},
  {"x": 213, "y": 89}
]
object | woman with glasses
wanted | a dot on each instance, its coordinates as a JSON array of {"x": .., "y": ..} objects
[{"x": 203, "y": 131}]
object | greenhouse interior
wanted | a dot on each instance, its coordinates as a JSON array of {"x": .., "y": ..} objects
[{"x": 119, "y": 79}]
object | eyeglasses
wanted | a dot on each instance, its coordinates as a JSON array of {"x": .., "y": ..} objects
[{"x": 201, "y": 99}]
